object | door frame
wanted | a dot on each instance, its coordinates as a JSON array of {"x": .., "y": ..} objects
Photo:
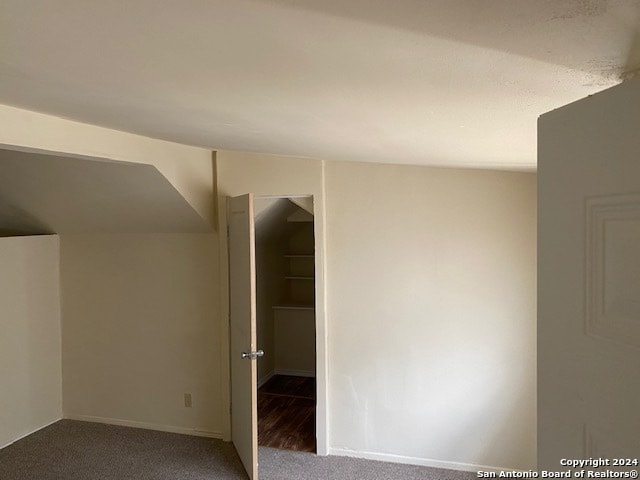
[{"x": 322, "y": 424}]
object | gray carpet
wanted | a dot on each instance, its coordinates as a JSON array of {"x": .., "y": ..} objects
[
  {"x": 290, "y": 465},
  {"x": 70, "y": 450}
]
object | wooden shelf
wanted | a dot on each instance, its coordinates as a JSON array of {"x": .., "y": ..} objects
[
  {"x": 298, "y": 256},
  {"x": 294, "y": 307},
  {"x": 297, "y": 277}
]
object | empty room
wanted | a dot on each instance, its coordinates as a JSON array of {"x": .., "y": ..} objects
[{"x": 290, "y": 240}]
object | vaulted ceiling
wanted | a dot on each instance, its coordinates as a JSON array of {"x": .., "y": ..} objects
[{"x": 431, "y": 82}]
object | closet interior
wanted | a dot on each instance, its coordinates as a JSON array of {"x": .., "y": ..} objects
[{"x": 285, "y": 314}]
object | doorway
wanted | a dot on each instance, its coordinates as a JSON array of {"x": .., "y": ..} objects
[{"x": 285, "y": 322}]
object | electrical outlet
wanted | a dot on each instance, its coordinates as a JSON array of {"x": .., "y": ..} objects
[{"x": 187, "y": 400}]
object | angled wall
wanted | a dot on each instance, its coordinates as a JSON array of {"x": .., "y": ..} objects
[
  {"x": 189, "y": 169},
  {"x": 139, "y": 311}
]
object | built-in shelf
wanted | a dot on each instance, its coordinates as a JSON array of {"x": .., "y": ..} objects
[
  {"x": 294, "y": 307},
  {"x": 299, "y": 276}
]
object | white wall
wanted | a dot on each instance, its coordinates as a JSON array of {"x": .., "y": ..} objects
[
  {"x": 431, "y": 306},
  {"x": 141, "y": 329},
  {"x": 30, "y": 339}
]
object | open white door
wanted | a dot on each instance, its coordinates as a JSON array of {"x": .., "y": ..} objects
[
  {"x": 589, "y": 280},
  {"x": 242, "y": 328}
]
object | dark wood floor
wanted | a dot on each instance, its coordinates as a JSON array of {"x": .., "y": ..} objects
[{"x": 287, "y": 413}]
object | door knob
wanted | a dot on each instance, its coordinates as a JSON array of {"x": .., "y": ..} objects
[{"x": 252, "y": 355}]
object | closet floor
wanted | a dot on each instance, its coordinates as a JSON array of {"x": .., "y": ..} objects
[{"x": 287, "y": 413}]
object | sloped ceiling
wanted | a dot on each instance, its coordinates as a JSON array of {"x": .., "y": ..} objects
[
  {"x": 428, "y": 82},
  {"x": 273, "y": 218},
  {"x": 50, "y": 194}
]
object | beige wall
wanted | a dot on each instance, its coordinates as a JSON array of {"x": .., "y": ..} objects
[
  {"x": 30, "y": 338},
  {"x": 141, "y": 329},
  {"x": 431, "y": 307},
  {"x": 189, "y": 169},
  {"x": 164, "y": 347},
  {"x": 431, "y": 288},
  {"x": 428, "y": 317},
  {"x": 268, "y": 291},
  {"x": 294, "y": 342},
  {"x": 239, "y": 173}
]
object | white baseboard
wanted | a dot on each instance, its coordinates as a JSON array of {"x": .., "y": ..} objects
[
  {"x": 294, "y": 373},
  {"x": 266, "y": 378},
  {"x": 146, "y": 426},
  {"x": 30, "y": 433},
  {"x": 425, "y": 462}
]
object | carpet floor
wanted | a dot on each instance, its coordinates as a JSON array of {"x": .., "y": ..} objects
[{"x": 71, "y": 450}]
